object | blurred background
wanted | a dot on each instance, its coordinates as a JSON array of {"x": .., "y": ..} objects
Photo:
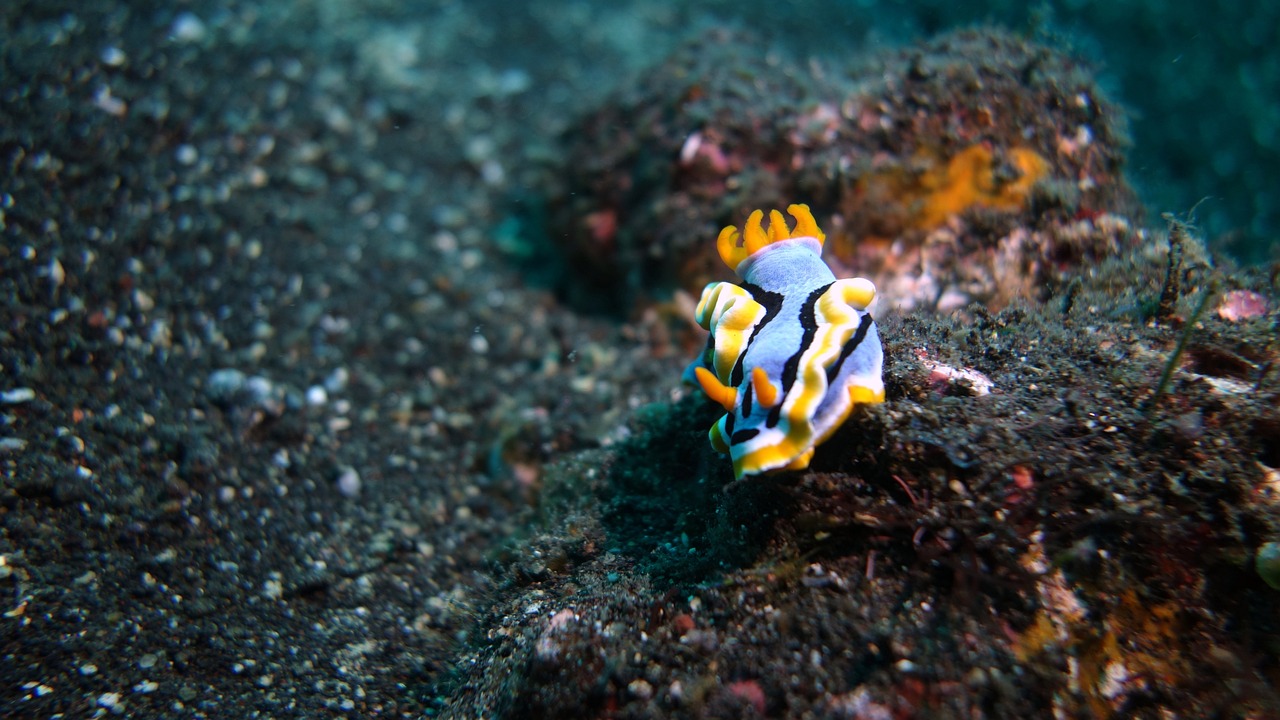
[{"x": 1201, "y": 79}]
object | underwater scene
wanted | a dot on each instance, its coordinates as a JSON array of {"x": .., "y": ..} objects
[{"x": 859, "y": 359}]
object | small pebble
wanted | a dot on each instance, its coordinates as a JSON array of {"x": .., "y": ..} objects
[
  {"x": 316, "y": 395},
  {"x": 260, "y": 389},
  {"x": 17, "y": 396},
  {"x": 73, "y": 444},
  {"x": 113, "y": 56},
  {"x": 106, "y": 102},
  {"x": 273, "y": 589},
  {"x": 641, "y": 689},
  {"x": 57, "y": 273},
  {"x": 349, "y": 482},
  {"x": 187, "y": 28},
  {"x": 223, "y": 384},
  {"x": 337, "y": 380},
  {"x": 1238, "y": 305}
]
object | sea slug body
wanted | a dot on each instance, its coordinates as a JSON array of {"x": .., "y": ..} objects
[{"x": 792, "y": 349}]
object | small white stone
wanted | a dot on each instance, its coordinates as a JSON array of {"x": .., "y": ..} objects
[
  {"x": 337, "y": 380},
  {"x": 187, "y": 28},
  {"x": 108, "y": 103},
  {"x": 187, "y": 154},
  {"x": 349, "y": 482},
  {"x": 57, "y": 274},
  {"x": 17, "y": 396},
  {"x": 640, "y": 688},
  {"x": 492, "y": 173},
  {"x": 145, "y": 302},
  {"x": 113, "y": 56},
  {"x": 316, "y": 395},
  {"x": 272, "y": 589}
]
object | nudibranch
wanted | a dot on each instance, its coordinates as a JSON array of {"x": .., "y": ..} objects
[{"x": 792, "y": 349}]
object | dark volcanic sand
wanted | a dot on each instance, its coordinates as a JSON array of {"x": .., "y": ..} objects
[{"x": 292, "y": 423}]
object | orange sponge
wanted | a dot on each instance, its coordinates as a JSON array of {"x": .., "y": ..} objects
[{"x": 968, "y": 179}]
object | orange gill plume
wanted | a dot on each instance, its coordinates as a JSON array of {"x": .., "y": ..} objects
[{"x": 758, "y": 237}]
